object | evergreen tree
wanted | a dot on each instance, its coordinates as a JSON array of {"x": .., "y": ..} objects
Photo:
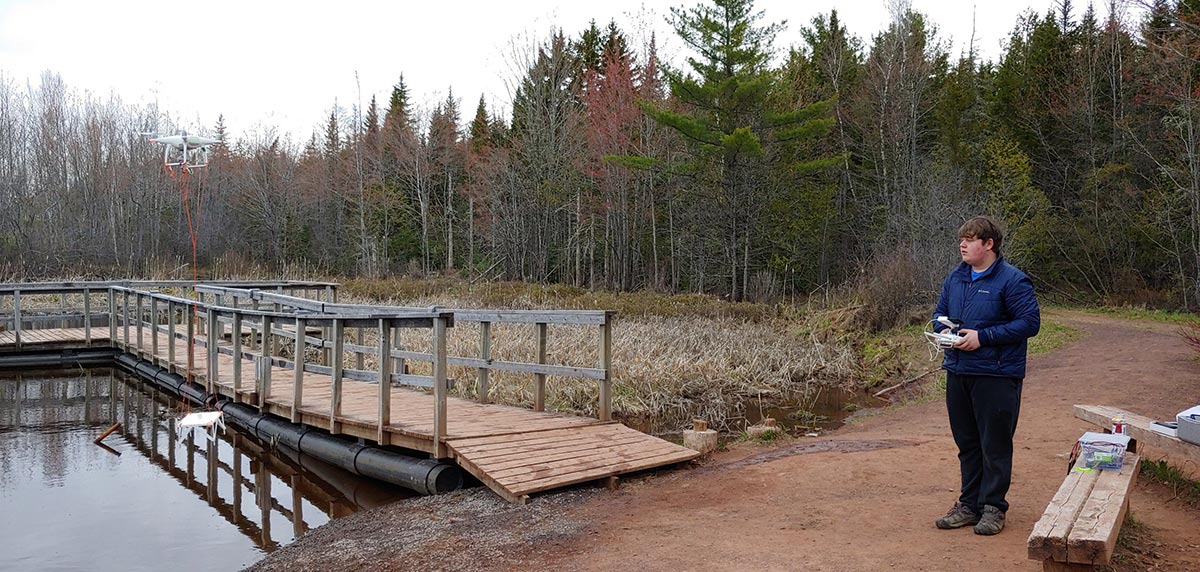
[
  {"x": 371, "y": 127},
  {"x": 726, "y": 120},
  {"x": 398, "y": 115},
  {"x": 480, "y": 129}
]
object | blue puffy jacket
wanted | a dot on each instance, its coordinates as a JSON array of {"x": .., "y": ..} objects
[{"x": 999, "y": 304}]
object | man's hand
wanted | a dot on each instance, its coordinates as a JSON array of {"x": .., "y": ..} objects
[{"x": 969, "y": 342}]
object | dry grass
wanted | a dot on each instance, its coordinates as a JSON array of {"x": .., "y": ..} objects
[{"x": 675, "y": 357}]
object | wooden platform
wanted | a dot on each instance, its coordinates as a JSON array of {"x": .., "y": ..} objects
[{"x": 514, "y": 451}]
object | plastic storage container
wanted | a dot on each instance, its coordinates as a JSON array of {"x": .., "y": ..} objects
[
  {"x": 1189, "y": 425},
  {"x": 1103, "y": 451}
]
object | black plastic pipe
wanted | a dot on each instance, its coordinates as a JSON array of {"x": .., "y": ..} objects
[
  {"x": 425, "y": 476},
  {"x": 59, "y": 358}
]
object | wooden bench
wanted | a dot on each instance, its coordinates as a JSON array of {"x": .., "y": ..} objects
[{"x": 1079, "y": 528}]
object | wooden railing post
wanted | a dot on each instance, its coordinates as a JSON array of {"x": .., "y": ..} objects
[
  {"x": 359, "y": 358},
  {"x": 326, "y": 351},
  {"x": 485, "y": 353},
  {"x": 112, "y": 318},
  {"x": 439, "y": 387},
  {"x": 125, "y": 318},
  {"x": 264, "y": 381},
  {"x": 399, "y": 366},
  {"x": 213, "y": 375},
  {"x": 87, "y": 316},
  {"x": 275, "y": 342},
  {"x": 190, "y": 314},
  {"x": 170, "y": 336},
  {"x": 17, "y": 316},
  {"x": 298, "y": 371},
  {"x": 605, "y": 405},
  {"x": 237, "y": 354},
  {"x": 385, "y": 383},
  {"x": 539, "y": 398},
  {"x": 140, "y": 315},
  {"x": 335, "y": 394},
  {"x": 154, "y": 328},
  {"x": 254, "y": 332}
]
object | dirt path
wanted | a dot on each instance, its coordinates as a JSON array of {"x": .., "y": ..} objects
[{"x": 862, "y": 499}]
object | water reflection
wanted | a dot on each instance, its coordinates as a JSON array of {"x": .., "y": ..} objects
[{"x": 69, "y": 504}]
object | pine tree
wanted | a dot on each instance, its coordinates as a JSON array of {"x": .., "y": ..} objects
[
  {"x": 726, "y": 119},
  {"x": 398, "y": 115},
  {"x": 480, "y": 129},
  {"x": 371, "y": 127}
]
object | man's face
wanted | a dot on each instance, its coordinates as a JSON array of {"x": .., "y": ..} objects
[{"x": 973, "y": 250}]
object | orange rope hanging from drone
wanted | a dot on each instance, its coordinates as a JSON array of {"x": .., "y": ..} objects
[{"x": 185, "y": 185}]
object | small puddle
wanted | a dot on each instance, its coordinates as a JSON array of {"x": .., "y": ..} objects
[
  {"x": 147, "y": 498},
  {"x": 826, "y": 410}
]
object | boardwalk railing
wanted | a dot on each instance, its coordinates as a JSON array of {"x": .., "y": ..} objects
[
  {"x": 262, "y": 327},
  {"x": 139, "y": 321},
  {"x": 484, "y": 364}
]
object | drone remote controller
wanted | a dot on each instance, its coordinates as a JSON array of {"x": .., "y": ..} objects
[{"x": 944, "y": 340}]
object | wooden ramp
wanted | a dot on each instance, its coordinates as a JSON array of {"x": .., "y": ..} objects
[
  {"x": 514, "y": 451},
  {"x": 516, "y": 465}
]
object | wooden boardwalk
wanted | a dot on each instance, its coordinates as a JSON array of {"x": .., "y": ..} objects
[{"x": 514, "y": 451}]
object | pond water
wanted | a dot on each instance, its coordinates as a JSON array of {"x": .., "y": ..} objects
[
  {"x": 826, "y": 410},
  {"x": 148, "y": 499}
]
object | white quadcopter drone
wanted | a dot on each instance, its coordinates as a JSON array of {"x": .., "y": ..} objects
[
  {"x": 176, "y": 150},
  {"x": 944, "y": 340}
]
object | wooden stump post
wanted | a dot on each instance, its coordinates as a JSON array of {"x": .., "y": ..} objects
[{"x": 700, "y": 437}]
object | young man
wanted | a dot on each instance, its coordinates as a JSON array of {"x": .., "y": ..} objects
[{"x": 994, "y": 305}]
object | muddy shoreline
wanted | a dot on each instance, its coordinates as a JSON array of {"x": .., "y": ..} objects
[{"x": 468, "y": 530}]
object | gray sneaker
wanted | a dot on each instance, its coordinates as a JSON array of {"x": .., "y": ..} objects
[
  {"x": 959, "y": 516},
  {"x": 992, "y": 521}
]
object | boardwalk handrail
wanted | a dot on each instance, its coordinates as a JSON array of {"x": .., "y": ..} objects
[
  {"x": 71, "y": 287},
  {"x": 273, "y": 316},
  {"x": 484, "y": 363},
  {"x": 134, "y": 318}
]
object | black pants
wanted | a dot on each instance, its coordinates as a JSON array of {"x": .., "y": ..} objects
[{"x": 983, "y": 418}]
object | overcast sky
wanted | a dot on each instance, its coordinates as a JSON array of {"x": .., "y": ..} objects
[{"x": 284, "y": 64}]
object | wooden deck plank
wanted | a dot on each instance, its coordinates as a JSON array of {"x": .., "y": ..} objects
[
  {"x": 603, "y": 456},
  {"x": 477, "y": 445},
  {"x": 580, "y": 452},
  {"x": 563, "y": 480}
]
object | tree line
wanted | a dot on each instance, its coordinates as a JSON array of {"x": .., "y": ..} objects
[{"x": 771, "y": 160}]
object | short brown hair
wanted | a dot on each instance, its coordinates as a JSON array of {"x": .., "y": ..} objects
[{"x": 983, "y": 228}]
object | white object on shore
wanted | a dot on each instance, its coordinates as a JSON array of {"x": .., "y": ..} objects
[
  {"x": 1168, "y": 428},
  {"x": 1189, "y": 425}
]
